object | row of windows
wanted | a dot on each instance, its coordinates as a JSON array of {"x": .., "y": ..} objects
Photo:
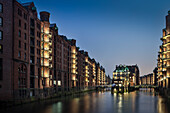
[
  {"x": 19, "y": 45},
  {"x": 19, "y": 24},
  {"x": 20, "y": 14},
  {"x": 19, "y": 34},
  {"x": 19, "y": 55}
]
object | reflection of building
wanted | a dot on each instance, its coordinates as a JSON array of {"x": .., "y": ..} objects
[
  {"x": 35, "y": 61},
  {"x": 146, "y": 79},
  {"x": 121, "y": 76},
  {"x": 164, "y": 57}
]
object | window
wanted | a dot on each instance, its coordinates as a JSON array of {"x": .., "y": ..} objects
[
  {"x": 32, "y": 22},
  {"x": 1, "y": 21},
  {"x": 25, "y": 26},
  {"x": 25, "y": 36},
  {"x": 25, "y": 56},
  {"x": 25, "y": 46},
  {"x": 19, "y": 54},
  {"x": 38, "y": 26},
  {"x": 37, "y": 60},
  {"x": 1, "y": 68},
  {"x": 19, "y": 12},
  {"x": 19, "y": 45},
  {"x": 37, "y": 52},
  {"x": 19, "y": 24},
  {"x": 1, "y": 48},
  {"x": 1, "y": 35},
  {"x": 32, "y": 32},
  {"x": 1, "y": 8},
  {"x": 19, "y": 33},
  {"x": 22, "y": 78},
  {"x": 25, "y": 16}
]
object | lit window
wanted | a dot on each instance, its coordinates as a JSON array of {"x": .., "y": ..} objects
[
  {"x": 1, "y": 8},
  {"x": 1, "y": 48},
  {"x": 1, "y": 21},
  {"x": 59, "y": 83}
]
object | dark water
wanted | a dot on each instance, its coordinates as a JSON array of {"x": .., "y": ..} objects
[{"x": 143, "y": 101}]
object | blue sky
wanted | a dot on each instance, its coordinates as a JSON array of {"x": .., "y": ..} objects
[{"x": 112, "y": 31}]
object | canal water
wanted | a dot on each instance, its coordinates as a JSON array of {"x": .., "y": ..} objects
[{"x": 142, "y": 101}]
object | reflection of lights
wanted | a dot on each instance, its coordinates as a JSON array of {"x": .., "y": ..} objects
[{"x": 57, "y": 107}]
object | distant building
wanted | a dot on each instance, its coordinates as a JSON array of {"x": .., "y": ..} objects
[
  {"x": 108, "y": 80},
  {"x": 131, "y": 73},
  {"x": 121, "y": 76},
  {"x": 134, "y": 74},
  {"x": 146, "y": 79}
]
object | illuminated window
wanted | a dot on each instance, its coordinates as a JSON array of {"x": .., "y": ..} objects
[
  {"x": 59, "y": 83},
  {"x": 1, "y": 48}
]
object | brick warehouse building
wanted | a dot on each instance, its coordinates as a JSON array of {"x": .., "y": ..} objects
[
  {"x": 163, "y": 63},
  {"x": 35, "y": 61}
]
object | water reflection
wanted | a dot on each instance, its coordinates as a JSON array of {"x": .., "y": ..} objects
[{"x": 142, "y": 101}]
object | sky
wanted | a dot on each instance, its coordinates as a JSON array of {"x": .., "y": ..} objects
[{"x": 112, "y": 31}]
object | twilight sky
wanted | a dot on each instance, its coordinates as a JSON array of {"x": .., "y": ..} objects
[{"x": 112, "y": 31}]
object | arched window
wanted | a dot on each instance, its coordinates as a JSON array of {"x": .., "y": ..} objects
[{"x": 22, "y": 76}]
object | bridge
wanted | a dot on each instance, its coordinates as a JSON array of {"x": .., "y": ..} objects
[
  {"x": 146, "y": 86},
  {"x": 125, "y": 89}
]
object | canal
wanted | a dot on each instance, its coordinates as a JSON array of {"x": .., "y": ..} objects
[{"x": 142, "y": 101}]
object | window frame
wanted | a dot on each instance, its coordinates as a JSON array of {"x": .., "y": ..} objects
[
  {"x": 1, "y": 11},
  {"x": 1, "y": 50},
  {"x": 1, "y": 35},
  {"x": 1, "y": 22}
]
